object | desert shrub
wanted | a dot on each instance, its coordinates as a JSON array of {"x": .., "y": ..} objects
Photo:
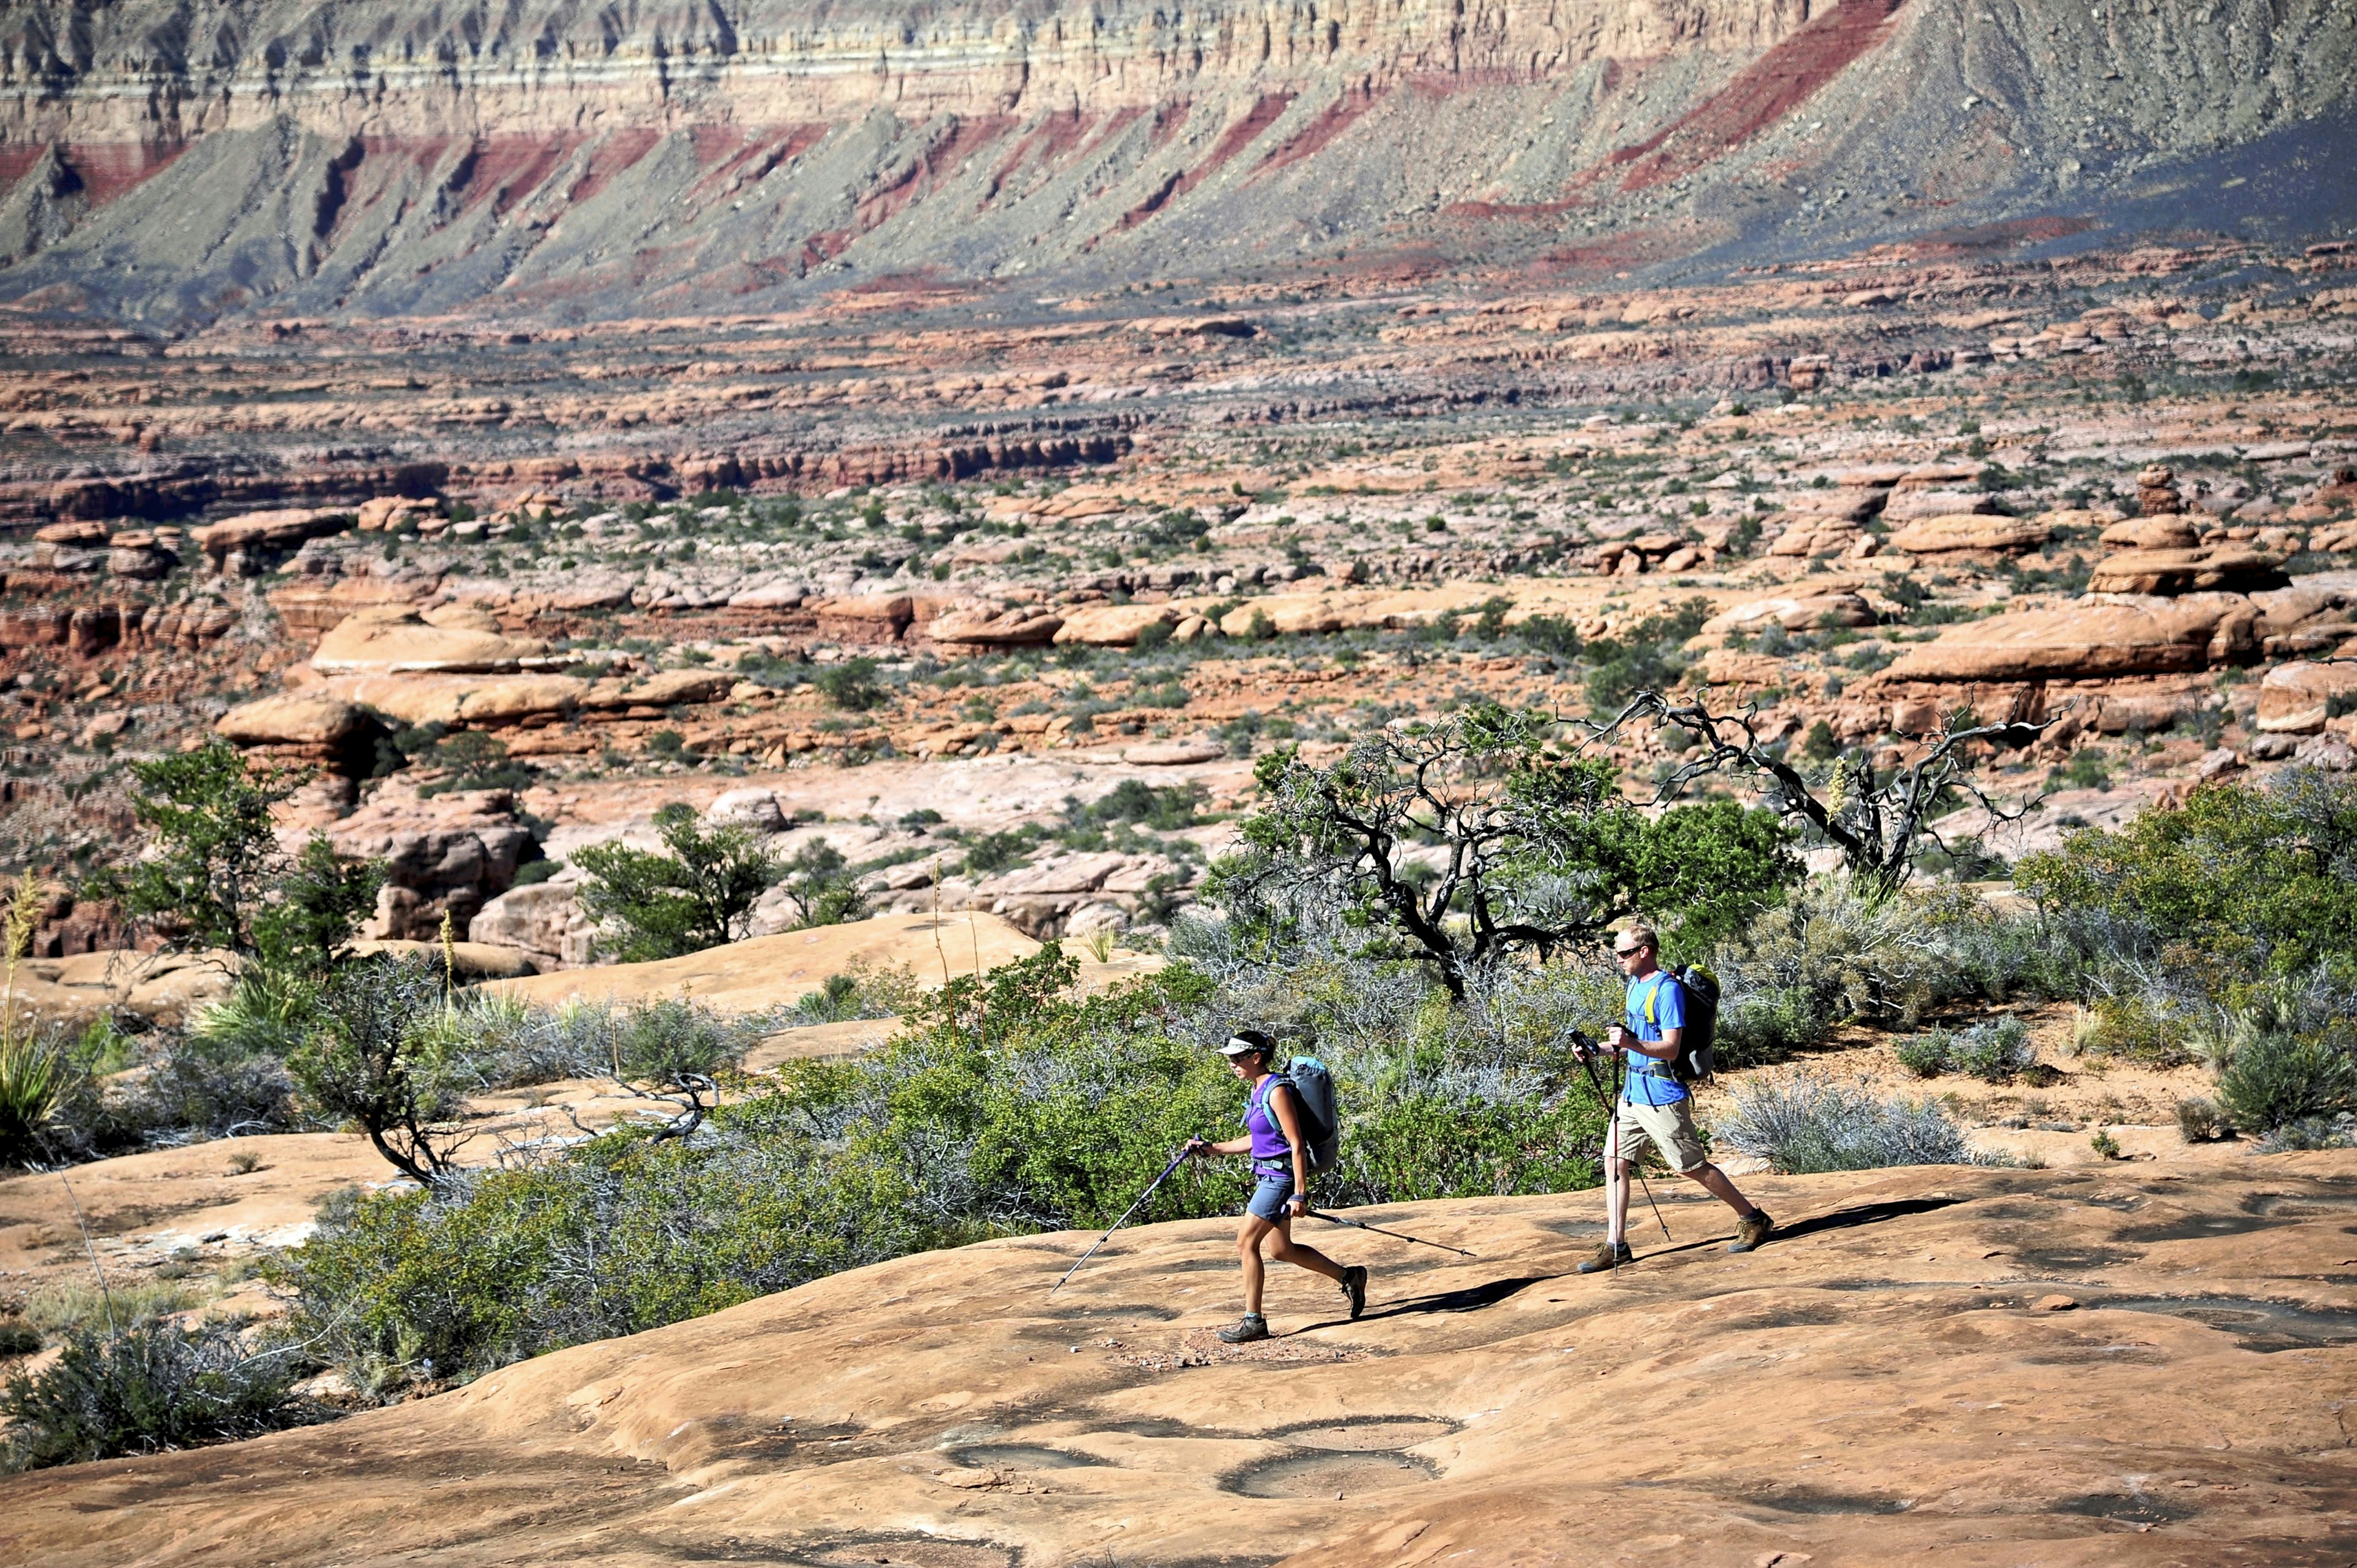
[
  {"x": 71, "y": 1305},
  {"x": 1006, "y": 1106},
  {"x": 157, "y": 1386},
  {"x": 2277, "y": 1076},
  {"x": 2241, "y": 882},
  {"x": 819, "y": 882},
  {"x": 698, "y": 896},
  {"x": 199, "y": 1088},
  {"x": 1995, "y": 1052},
  {"x": 851, "y": 686},
  {"x": 2312, "y": 1132},
  {"x": 1801, "y": 1123},
  {"x": 860, "y": 993},
  {"x": 1828, "y": 955},
  {"x": 18, "y": 1339},
  {"x": 2198, "y": 1121},
  {"x": 1927, "y": 1055},
  {"x": 2139, "y": 1024}
]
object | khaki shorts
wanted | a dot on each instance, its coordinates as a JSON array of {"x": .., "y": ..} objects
[{"x": 1669, "y": 1128}]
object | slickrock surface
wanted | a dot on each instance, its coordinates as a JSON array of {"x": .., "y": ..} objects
[{"x": 2128, "y": 1365}]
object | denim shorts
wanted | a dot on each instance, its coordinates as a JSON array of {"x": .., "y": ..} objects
[{"x": 1269, "y": 1199}]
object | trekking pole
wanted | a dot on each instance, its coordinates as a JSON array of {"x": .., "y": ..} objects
[
  {"x": 1606, "y": 1101},
  {"x": 1176, "y": 1161},
  {"x": 1396, "y": 1235}
]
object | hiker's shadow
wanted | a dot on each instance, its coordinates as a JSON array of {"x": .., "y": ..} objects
[
  {"x": 1473, "y": 1298},
  {"x": 1819, "y": 1225},
  {"x": 1467, "y": 1298}
]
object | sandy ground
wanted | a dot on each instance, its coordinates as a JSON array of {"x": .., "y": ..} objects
[{"x": 2119, "y": 1366}]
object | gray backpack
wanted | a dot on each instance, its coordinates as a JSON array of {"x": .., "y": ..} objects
[{"x": 1313, "y": 1098}]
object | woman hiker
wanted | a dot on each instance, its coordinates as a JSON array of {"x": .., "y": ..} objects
[{"x": 1273, "y": 1138}]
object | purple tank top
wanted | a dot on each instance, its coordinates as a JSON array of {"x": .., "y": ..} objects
[{"x": 1270, "y": 1152}]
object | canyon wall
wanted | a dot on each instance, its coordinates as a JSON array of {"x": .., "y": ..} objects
[{"x": 173, "y": 163}]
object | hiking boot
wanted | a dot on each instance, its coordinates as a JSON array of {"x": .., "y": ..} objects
[
  {"x": 1354, "y": 1285},
  {"x": 1252, "y": 1327},
  {"x": 1608, "y": 1255},
  {"x": 1752, "y": 1229}
]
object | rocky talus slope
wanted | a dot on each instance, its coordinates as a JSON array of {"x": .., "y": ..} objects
[
  {"x": 174, "y": 163},
  {"x": 2110, "y": 1366}
]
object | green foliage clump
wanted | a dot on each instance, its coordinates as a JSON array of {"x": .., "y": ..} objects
[
  {"x": 1648, "y": 656},
  {"x": 216, "y": 877},
  {"x": 1006, "y": 1105},
  {"x": 154, "y": 1387},
  {"x": 1995, "y": 1052},
  {"x": 2240, "y": 883},
  {"x": 1543, "y": 851},
  {"x": 373, "y": 1056},
  {"x": 699, "y": 895},
  {"x": 851, "y": 686},
  {"x": 818, "y": 880},
  {"x": 2278, "y": 1075}
]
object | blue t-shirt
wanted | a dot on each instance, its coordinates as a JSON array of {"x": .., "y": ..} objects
[{"x": 1650, "y": 1078}]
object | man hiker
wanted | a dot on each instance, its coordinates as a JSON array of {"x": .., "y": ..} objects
[
  {"x": 1273, "y": 1137},
  {"x": 1654, "y": 1107}
]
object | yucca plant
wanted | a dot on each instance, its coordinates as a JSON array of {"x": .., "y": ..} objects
[{"x": 34, "y": 1070}]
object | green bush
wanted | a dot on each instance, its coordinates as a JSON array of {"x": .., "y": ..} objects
[
  {"x": 2277, "y": 1077},
  {"x": 698, "y": 896},
  {"x": 1927, "y": 1055},
  {"x": 851, "y": 686},
  {"x": 1995, "y": 1052},
  {"x": 2138, "y": 1027},
  {"x": 158, "y": 1386},
  {"x": 2242, "y": 882},
  {"x": 1006, "y": 1105}
]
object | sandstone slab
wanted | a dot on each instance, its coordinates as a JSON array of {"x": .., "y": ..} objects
[
  {"x": 2215, "y": 567},
  {"x": 938, "y": 1409},
  {"x": 2078, "y": 641},
  {"x": 398, "y": 641},
  {"x": 1019, "y": 628},
  {"x": 2297, "y": 698},
  {"x": 1940, "y": 534},
  {"x": 1113, "y": 626}
]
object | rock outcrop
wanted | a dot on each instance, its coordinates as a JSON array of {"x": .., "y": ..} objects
[
  {"x": 446, "y": 855},
  {"x": 2087, "y": 641},
  {"x": 938, "y": 1409}
]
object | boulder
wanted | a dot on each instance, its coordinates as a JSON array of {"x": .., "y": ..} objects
[
  {"x": 2168, "y": 531},
  {"x": 1017, "y": 627},
  {"x": 79, "y": 531},
  {"x": 463, "y": 700},
  {"x": 779, "y": 596},
  {"x": 543, "y": 921},
  {"x": 2087, "y": 640},
  {"x": 443, "y": 854},
  {"x": 1911, "y": 506},
  {"x": 2215, "y": 567},
  {"x": 1290, "y": 615},
  {"x": 393, "y": 641},
  {"x": 756, "y": 808},
  {"x": 1804, "y": 612},
  {"x": 281, "y": 530},
  {"x": 1982, "y": 531},
  {"x": 2297, "y": 698},
  {"x": 659, "y": 689},
  {"x": 316, "y": 726},
  {"x": 866, "y": 618},
  {"x": 1807, "y": 536},
  {"x": 1114, "y": 625}
]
